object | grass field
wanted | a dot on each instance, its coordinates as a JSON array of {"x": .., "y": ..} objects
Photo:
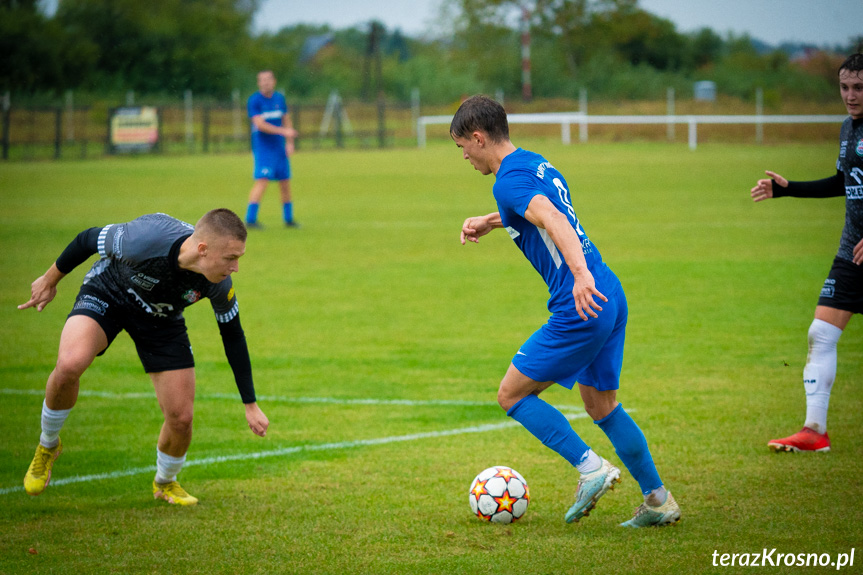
[{"x": 378, "y": 342}]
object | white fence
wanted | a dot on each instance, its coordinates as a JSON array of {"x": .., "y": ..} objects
[{"x": 567, "y": 119}]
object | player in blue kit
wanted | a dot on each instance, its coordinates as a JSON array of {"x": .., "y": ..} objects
[
  {"x": 273, "y": 137},
  {"x": 842, "y": 293},
  {"x": 583, "y": 339},
  {"x": 149, "y": 271}
]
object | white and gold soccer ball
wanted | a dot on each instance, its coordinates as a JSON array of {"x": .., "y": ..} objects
[{"x": 499, "y": 494}]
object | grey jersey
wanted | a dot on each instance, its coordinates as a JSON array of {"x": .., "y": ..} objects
[
  {"x": 138, "y": 267},
  {"x": 850, "y": 162}
]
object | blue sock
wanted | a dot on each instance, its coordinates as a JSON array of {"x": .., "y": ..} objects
[
  {"x": 252, "y": 214},
  {"x": 631, "y": 447},
  {"x": 288, "y": 212},
  {"x": 549, "y": 426}
]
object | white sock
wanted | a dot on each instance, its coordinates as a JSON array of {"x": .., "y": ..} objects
[
  {"x": 52, "y": 423},
  {"x": 820, "y": 372},
  {"x": 589, "y": 463},
  {"x": 168, "y": 466},
  {"x": 656, "y": 497}
]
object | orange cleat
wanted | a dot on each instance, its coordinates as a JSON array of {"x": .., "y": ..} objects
[{"x": 804, "y": 440}]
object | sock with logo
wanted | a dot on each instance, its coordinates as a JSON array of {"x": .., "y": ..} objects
[{"x": 820, "y": 372}]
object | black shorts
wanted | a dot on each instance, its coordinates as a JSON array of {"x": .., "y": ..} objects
[
  {"x": 162, "y": 344},
  {"x": 843, "y": 288}
]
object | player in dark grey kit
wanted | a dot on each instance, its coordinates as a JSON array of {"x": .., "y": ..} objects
[
  {"x": 149, "y": 270},
  {"x": 842, "y": 294}
]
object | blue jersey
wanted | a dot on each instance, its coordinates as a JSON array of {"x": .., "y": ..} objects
[
  {"x": 522, "y": 176},
  {"x": 272, "y": 109}
]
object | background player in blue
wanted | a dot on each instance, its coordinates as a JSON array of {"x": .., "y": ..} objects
[
  {"x": 583, "y": 340},
  {"x": 842, "y": 294},
  {"x": 149, "y": 270},
  {"x": 272, "y": 145}
]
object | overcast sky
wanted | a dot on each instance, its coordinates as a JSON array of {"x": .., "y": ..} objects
[{"x": 819, "y": 22}]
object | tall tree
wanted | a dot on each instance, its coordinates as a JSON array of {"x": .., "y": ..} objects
[
  {"x": 163, "y": 45},
  {"x": 37, "y": 53}
]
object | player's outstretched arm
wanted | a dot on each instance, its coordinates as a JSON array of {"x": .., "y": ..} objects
[
  {"x": 763, "y": 189},
  {"x": 258, "y": 422},
  {"x": 43, "y": 290},
  {"x": 475, "y": 227}
]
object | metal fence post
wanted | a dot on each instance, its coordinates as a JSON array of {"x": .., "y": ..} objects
[
  {"x": 7, "y": 120},
  {"x": 693, "y": 133},
  {"x": 108, "y": 148},
  {"x": 189, "y": 117},
  {"x": 337, "y": 112},
  {"x": 582, "y": 107},
  {"x": 206, "y": 129},
  {"x": 58, "y": 132},
  {"x": 669, "y": 110},
  {"x": 759, "y": 111},
  {"x": 382, "y": 122}
]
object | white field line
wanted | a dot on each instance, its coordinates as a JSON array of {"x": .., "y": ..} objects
[
  {"x": 291, "y": 450},
  {"x": 287, "y": 399}
]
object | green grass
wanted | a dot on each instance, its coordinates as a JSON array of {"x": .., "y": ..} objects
[{"x": 375, "y": 299}]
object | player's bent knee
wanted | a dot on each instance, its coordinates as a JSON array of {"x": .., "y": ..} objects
[
  {"x": 506, "y": 399},
  {"x": 70, "y": 366},
  {"x": 180, "y": 422}
]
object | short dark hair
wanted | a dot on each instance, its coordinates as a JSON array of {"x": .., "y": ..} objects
[
  {"x": 480, "y": 113},
  {"x": 222, "y": 222},
  {"x": 853, "y": 63}
]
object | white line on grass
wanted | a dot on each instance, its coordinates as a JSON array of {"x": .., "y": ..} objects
[
  {"x": 290, "y": 451},
  {"x": 287, "y": 399}
]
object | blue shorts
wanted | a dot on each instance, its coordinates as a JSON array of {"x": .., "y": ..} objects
[
  {"x": 272, "y": 165},
  {"x": 568, "y": 349}
]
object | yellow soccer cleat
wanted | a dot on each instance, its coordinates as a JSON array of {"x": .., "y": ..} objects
[
  {"x": 39, "y": 473},
  {"x": 173, "y": 493}
]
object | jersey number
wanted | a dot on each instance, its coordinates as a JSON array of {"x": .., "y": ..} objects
[{"x": 563, "y": 194}]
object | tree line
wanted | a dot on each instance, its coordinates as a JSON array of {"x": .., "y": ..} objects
[{"x": 612, "y": 48}]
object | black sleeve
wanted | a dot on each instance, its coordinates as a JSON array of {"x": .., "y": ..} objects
[
  {"x": 237, "y": 351},
  {"x": 76, "y": 253},
  {"x": 827, "y": 188}
]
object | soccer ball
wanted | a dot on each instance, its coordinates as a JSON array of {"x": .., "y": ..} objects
[{"x": 499, "y": 494}]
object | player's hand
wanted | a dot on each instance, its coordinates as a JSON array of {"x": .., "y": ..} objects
[
  {"x": 258, "y": 422},
  {"x": 858, "y": 253},
  {"x": 474, "y": 228},
  {"x": 583, "y": 291},
  {"x": 763, "y": 189},
  {"x": 42, "y": 291}
]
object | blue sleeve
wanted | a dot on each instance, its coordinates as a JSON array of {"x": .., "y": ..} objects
[
  {"x": 515, "y": 191},
  {"x": 253, "y": 107}
]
